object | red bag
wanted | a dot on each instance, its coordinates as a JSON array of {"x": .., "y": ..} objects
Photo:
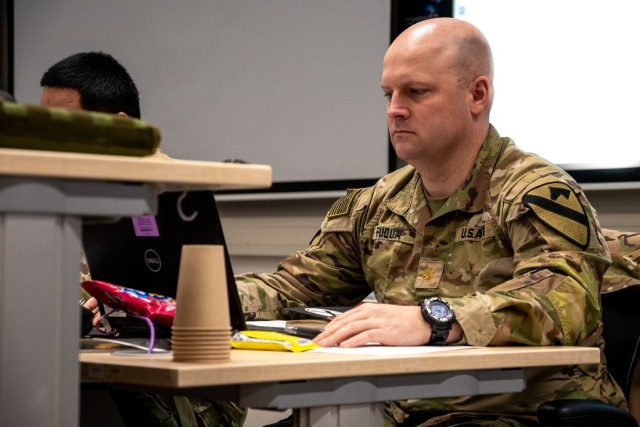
[{"x": 158, "y": 308}]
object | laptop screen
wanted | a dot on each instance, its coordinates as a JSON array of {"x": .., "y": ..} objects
[{"x": 143, "y": 252}]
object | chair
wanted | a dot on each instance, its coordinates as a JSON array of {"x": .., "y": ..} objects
[{"x": 621, "y": 320}]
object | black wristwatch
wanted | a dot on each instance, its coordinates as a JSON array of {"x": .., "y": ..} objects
[{"x": 439, "y": 314}]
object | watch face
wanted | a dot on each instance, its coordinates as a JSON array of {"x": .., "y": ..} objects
[{"x": 439, "y": 310}]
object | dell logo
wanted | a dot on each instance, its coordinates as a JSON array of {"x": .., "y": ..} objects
[{"x": 152, "y": 259}]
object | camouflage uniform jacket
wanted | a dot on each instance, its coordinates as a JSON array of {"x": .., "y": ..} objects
[{"x": 516, "y": 250}]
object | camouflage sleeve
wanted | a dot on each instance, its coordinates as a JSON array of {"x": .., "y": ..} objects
[
  {"x": 625, "y": 255},
  {"x": 328, "y": 273},
  {"x": 559, "y": 259}
]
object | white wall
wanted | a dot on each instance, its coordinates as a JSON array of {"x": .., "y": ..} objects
[{"x": 290, "y": 83}]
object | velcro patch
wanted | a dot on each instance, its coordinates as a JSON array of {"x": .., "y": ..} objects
[
  {"x": 429, "y": 274},
  {"x": 343, "y": 205},
  {"x": 474, "y": 234},
  {"x": 389, "y": 233},
  {"x": 558, "y": 206}
]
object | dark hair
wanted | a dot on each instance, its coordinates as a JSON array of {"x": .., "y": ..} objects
[{"x": 103, "y": 83}]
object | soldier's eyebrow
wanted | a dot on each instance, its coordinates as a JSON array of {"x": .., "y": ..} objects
[{"x": 406, "y": 84}]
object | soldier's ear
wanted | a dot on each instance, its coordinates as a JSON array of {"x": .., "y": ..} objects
[
  {"x": 480, "y": 91},
  {"x": 121, "y": 114}
]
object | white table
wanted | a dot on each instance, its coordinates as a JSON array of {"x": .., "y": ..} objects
[{"x": 43, "y": 197}]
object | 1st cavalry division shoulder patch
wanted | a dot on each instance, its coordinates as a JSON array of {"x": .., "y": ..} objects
[{"x": 558, "y": 206}]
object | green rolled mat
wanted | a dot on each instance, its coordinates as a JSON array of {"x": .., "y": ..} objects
[{"x": 59, "y": 129}]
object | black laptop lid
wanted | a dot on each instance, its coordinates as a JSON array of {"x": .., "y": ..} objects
[{"x": 144, "y": 252}]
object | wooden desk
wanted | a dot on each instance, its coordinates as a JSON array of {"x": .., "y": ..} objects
[
  {"x": 150, "y": 169},
  {"x": 335, "y": 389},
  {"x": 43, "y": 197}
]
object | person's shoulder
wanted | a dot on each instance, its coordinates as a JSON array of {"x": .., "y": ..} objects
[
  {"x": 517, "y": 173},
  {"x": 345, "y": 211},
  {"x": 537, "y": 188},
  {"x": 400, "y": 183}
]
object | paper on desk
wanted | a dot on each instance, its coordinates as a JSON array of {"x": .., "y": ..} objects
[
  {"x": 372, "y": 349},
  {"x": 381, "y": 350}
]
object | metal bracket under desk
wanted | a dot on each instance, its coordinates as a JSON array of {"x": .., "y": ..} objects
[
  {"x": 347, "y": 391},
  {"x": 342, "y": 401},
  {"x": 345, "y": 402}
]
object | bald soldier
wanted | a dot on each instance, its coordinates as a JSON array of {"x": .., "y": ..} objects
[{"x": 475, "y": 242}]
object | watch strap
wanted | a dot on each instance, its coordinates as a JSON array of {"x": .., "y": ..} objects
[{"x": 439, "y": 334}]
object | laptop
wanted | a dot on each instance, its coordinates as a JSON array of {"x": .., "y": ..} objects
[{"x": 143, "y": 252}]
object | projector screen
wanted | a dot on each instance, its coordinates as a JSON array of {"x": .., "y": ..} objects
[{"x": 566, "y": 80}]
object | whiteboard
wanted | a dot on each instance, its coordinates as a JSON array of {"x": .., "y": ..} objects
[{"x": 290, "y": 83}]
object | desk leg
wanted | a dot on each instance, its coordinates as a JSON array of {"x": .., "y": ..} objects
[
  {"x": 340, "y": 416},
  {"x": 39, "y": 320}
]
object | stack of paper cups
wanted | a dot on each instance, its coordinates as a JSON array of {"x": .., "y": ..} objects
[{"x": 201, "y": 327}]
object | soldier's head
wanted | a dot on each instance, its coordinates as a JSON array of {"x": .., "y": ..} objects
[
  {"x": 437, "y": 77},
  {"x": 92, "y": 81}
]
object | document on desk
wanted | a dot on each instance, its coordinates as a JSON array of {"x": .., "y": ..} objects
[
  {"x": 293, "y": 328},
  {"x": 381, "y": 350}
]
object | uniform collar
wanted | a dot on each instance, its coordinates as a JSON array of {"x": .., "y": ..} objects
[
  {"x": 471, "y": 196},
  {"x": 411, "y": 202}
]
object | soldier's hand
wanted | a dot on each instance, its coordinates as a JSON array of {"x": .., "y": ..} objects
[
  {"x": 392, "y": 325},
  {"x": 92, "y": 304}
]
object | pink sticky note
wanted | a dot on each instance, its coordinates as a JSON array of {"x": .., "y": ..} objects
[{"x": 145, "y": 226}]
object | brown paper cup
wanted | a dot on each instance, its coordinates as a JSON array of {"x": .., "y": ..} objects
[{"x": 201, "y": 300}]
